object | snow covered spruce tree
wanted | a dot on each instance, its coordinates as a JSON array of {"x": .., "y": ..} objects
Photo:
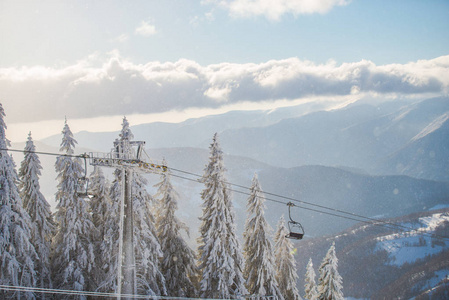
[
  {"x": 259, "y": 269},
  {"x": 220, "y": 257},
  {"x": 310, "y": 288},
  {"x": 43, "y": 227},
  {"x": 147, "y": 246},
  {"x": 17, "y": 254},
  {"x": 179, "y": 263},
  {"x": 100, "y": 204},
  {"x": 109, "y": 246},
  {"x": 330, "y": 281},
  {"x": 150, "y": 280},
  {"x": 285, "y": 263},
  {"x": 73, "y": 257}
]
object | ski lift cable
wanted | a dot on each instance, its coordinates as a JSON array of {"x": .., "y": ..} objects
[
  {"x": 232, "y": 184},
  {"x": 284, "y": 203},
  {"x": 14, "y": 288},
  {"x": 367, "y": 220},
  {"x": 354, "y": 216},
  {"x": 375, "y": 222},
  {"x": 289, "y": 198},
  {"x": 84, "y": 155}
]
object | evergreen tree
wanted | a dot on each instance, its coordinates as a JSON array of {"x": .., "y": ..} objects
[
  {"x": 285, "y": 263},
  {"x": 178, "y": 264},
  {"x": 73, "y": 258},
  {"x": 259, "y": 269},
  {"x": 38, "y": 209},
  {"x": 100, "y": 204},
  {"x": 310, "y": 287},
  {"x": 147, "y": 246},
  {"x": 109, "y": 246},
  {"x": 100, "y": 201},
  {"x": 17, "y": 254},
  {"x": 150, "y": 280},
  {"x": 220, "y": 257},
  {"x": 330, "y": 282}
]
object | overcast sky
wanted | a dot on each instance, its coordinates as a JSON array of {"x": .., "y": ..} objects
[{"x": 174, "y": 59}]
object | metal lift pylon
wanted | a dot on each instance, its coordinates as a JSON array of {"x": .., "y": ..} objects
[{"x": 124, "y": 157}]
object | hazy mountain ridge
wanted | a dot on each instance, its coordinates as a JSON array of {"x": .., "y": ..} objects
[
  {"x": 194, "y": 132},
  {"x": 363, "y": 135},
  {"x": 370, "y": 270},
  {"x": 424, "y": 156},
  {"x": 360, "y": 136}
]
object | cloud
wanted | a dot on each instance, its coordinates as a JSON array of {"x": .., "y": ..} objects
[
  {"x": 145, "y": 29},
  {"x": 121, "y": 38},
  {"x": 275, "y": 9},
  {"x": 117, "y": 86}
]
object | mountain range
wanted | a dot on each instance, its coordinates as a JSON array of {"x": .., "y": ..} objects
[{"x": 389, "y": 138}]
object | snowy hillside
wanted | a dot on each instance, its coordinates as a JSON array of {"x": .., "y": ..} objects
[
  {"x": 379, "y": 262},
  {"x": 407, "y": 247}
]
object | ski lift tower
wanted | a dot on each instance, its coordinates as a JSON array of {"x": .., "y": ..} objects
[{"x": 124, "y": 157}]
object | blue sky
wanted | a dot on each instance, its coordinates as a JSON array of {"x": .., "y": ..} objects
[
  {"x": 168, "y": 59},
  {"x": 52, "y": 33}
]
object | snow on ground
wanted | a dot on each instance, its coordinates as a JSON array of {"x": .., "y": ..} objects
[
  {"x": 407, "y": 247},
  {"x": 437, "y": 123}
]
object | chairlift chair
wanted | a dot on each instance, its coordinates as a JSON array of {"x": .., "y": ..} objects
[
  {"x": 296, "y": 231},
  {"x": 82, "y": 185}
]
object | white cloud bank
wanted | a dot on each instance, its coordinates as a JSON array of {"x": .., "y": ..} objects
[
  {"x": 117, "y": 86},
  {"x": 275, "y": 9}
]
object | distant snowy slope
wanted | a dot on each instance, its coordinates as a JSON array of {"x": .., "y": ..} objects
[
  {"x": 434, "y": 125},
  {"x": 407, "y": 247},
  {"x": 379, "y": 262}
]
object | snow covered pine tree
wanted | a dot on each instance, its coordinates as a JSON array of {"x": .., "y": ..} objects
[
  {"x": 330, "y": 282},
  {"x": 310, "y": 288},
  {"x": 259, "y": 269},
  {"x": 178, "y": 264},
  {"x": 36, "y": 205},
  {"x": 73, "y": 258},
  {"x": 17, "y": 253},
  {"x": 220, "y": 256},
  {"x": 285, "y": 263},
  {"x": 147, "y": 246},
  {"x": 109, "y": 246},
  {"x": 100, "y": 205}
]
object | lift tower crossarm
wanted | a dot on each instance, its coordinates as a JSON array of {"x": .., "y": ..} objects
[{"x": 109, "y": 160}]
